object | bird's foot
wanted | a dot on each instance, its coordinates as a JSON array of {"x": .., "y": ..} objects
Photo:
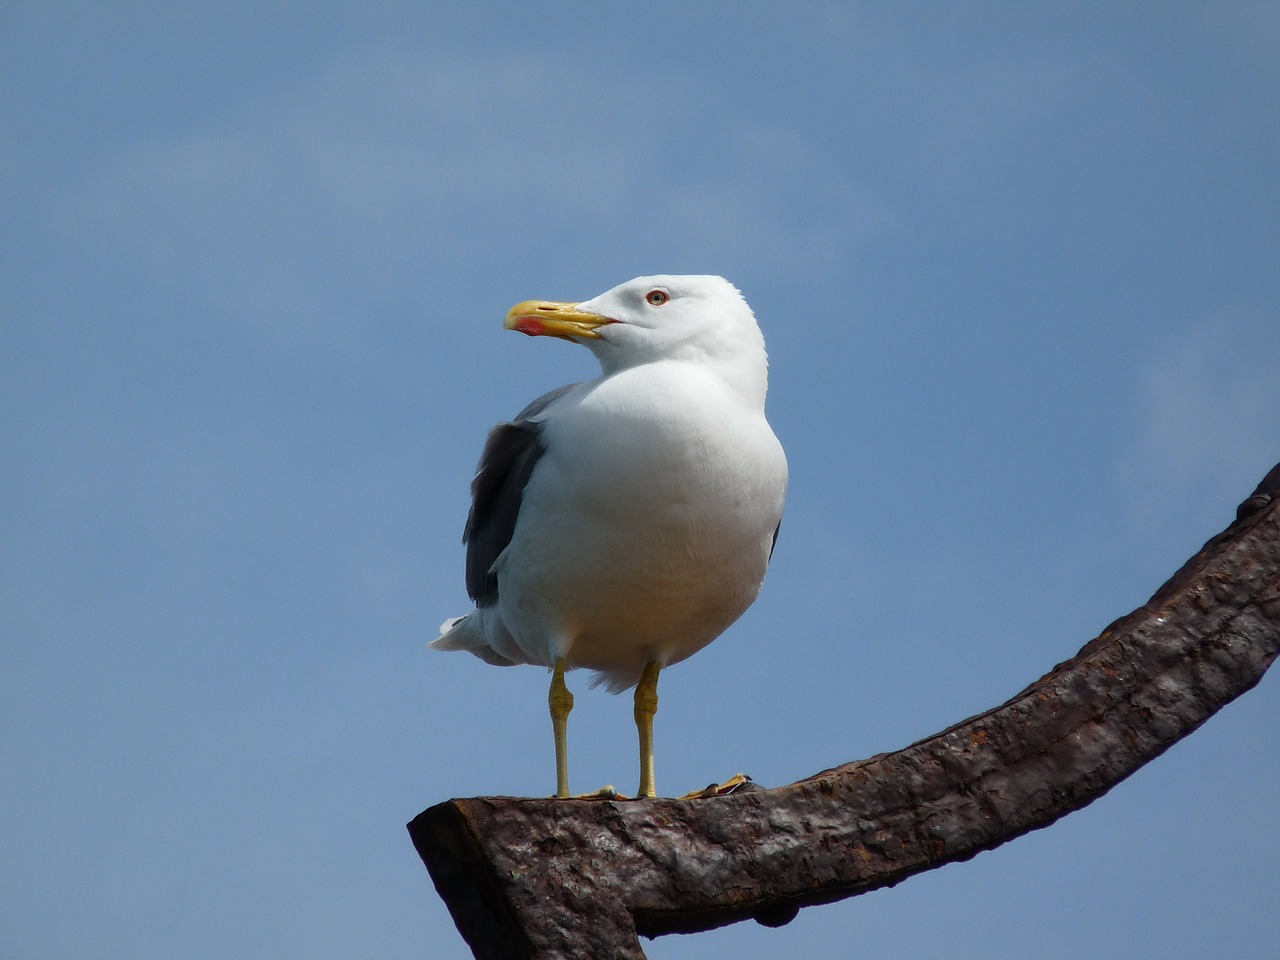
[
  {"x": 607, "y": 792},
  {"x": 738, "y": 783}
]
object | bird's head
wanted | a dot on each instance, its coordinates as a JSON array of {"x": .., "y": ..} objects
[{"x": 699, "y": 318}]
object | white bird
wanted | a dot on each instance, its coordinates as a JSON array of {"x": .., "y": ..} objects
[{"x": 623, "y": 523}]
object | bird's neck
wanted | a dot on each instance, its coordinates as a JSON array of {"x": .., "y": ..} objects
[{"x": 745, "y": 373}]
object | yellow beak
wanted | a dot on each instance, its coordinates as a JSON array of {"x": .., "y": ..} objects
[{"x": 549, "y": 318}]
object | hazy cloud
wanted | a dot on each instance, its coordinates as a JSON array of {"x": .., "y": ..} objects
[
  {"x": 1211, "y": 418},
  {"x": 390, "y": 161}
]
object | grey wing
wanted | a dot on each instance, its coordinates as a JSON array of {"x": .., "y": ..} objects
[
  {"x": 510, "y": 455},
  {"x": 544, "y": 401}
]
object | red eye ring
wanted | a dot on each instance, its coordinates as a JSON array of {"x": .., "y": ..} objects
[{"x": 656, "y": 298}]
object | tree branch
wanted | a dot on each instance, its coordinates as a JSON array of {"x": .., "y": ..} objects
[{"x": 546, "y": 878}]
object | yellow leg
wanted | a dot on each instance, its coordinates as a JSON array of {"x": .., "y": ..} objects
[
  {"x": 561, "y": 702},
  {"x": 646, "y": 708}
]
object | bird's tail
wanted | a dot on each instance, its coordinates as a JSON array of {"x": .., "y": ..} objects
[
  {"x": 467, "y": 633},
  {"x": 450, "y": 636}
]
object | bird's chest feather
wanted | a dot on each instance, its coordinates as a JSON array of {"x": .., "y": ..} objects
[
  {"x": 677, "y": 462},
  {"x": 646, "y": 527}
]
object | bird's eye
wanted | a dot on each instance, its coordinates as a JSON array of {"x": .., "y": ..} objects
[{"x": 656, "y": 298}]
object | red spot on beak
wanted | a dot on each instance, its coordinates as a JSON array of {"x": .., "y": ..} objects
[{"x": 532, "y": 326}]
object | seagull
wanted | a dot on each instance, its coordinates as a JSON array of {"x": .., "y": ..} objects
[{"x": 623, "y": 523}]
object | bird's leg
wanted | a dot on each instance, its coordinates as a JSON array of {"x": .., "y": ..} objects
[
  {"x": 561, "y": 702},
  {"x": 646, "y": 707}
]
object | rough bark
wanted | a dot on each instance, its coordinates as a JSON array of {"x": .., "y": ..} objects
[{"x": 545, "y": 878}]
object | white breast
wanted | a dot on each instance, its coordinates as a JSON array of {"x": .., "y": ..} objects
[{"x": 647, "y": 526}]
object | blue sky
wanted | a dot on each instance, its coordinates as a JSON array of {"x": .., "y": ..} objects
[{"x": 1017, "y": 269}]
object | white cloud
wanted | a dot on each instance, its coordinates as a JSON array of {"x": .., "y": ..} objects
[{"x": 393, "y": 164}]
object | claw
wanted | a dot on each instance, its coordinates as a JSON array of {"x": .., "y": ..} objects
[{"x": 738, "y": 783}]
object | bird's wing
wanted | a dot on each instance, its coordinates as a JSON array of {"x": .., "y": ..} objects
[
  {"x": 537, "y": 406},
  {"x": 510, "y": 455}
]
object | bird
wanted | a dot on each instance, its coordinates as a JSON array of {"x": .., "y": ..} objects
[{"x": 621, "y": 524}]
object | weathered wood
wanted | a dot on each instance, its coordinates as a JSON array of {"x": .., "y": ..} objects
[{"x": 545, "y": 878}]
